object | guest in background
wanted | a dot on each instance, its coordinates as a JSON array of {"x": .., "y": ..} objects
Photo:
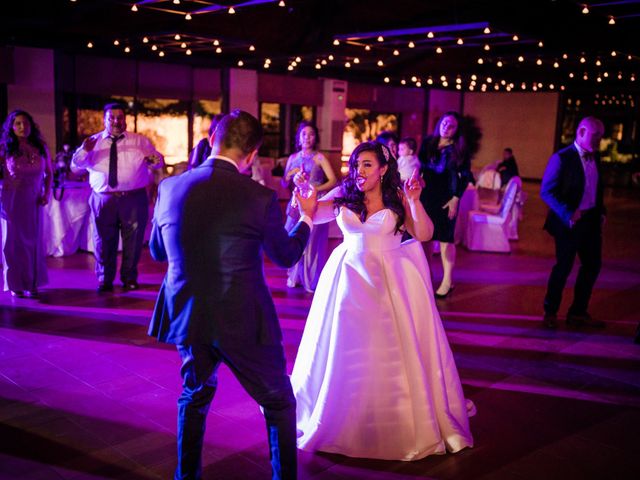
[
  {"x": 572, "y": 188},
  {"x": 507, "y": 168},
  {"x": 445, "y": 164},
  {"x": 313, "y": 167},
  {"x": 407, "y": 159},
  {"x": 203, "y": 149},
  {"x": 119, "y": 164},
  {"x": 389, "y": 139},
  {"x": 26, "y": 189}
]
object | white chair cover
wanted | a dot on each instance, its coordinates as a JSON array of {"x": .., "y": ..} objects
[{"x": 488, "y": 232}]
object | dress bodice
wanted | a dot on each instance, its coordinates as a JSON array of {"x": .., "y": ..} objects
[
  {"x": 307, "y": 164},
  {"x": 26, "y": 164},
  {"x": 377, "y": 233}
]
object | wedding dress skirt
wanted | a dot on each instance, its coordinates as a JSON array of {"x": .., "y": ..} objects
[{"x": 374, "y": 376}]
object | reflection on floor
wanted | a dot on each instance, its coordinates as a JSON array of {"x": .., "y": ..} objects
[{"x": 85, "y": 394}]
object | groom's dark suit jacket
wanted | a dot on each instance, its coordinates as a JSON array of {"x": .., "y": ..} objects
[{"x": 213, "y": 224}]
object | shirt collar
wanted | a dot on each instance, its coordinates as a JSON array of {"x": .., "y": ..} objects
[
  {"x": 227, "y": 159},
  {"x": 581, "y": 151},
  {"x": 105, "y": 134}
]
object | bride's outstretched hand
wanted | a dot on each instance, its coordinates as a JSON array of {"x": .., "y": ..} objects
[{"x": 413, "y": 185}]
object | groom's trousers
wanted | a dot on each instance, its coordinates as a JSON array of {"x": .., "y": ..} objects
[{"x": 261, "y": 369}]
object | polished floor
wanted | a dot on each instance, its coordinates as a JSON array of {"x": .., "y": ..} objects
[{"x": 85, "y": 394}]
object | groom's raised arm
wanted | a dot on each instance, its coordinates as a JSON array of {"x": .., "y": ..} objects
[{"x": 282, "y": 247}]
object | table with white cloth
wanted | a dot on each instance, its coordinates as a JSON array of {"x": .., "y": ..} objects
[
  {"x": 469, "y": 201},
  {"x": 66, "y": 220}
]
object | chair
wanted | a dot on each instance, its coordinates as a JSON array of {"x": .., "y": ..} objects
[
  {"x": 489, "y": 232},
  {"x": 488, "y": 185}
]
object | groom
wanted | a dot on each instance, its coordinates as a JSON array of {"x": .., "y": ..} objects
[{"x": 212, "y": 224}]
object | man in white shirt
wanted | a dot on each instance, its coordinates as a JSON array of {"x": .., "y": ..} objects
[{"x": 119, "y": 164}]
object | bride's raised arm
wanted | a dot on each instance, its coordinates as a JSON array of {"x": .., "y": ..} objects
[
  {"x": 417, "y": 222},
  {"x": 326, "y": 209}
]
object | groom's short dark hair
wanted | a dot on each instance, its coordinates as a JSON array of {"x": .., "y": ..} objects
[{"x": 240, "y": 130}]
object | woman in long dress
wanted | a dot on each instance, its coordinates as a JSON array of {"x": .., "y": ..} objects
[
  {"x": 374, "y": 376},
  {"x": 446, "y": 167},
  {"x": 318, "y": 173},
  {"x": 26, "y": 189}
]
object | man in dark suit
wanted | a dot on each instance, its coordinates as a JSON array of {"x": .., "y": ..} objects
[
  {"x": 213, "y": 224},
  {"x": 572, "y": 188}
]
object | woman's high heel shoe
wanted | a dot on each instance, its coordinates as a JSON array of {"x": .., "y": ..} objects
[{"x": 444, "y": 295}]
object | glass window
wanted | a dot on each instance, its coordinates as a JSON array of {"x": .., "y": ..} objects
[
  {"x": 364, "y": 125},
  {"x": 203, "y": 112},
  {"x": 166, "y": 123},
  {"x": 270, "y": 120}
]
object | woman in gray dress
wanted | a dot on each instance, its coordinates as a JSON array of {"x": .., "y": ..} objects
[
  {"x": 313, "y": 167},
  {"x": 26, "y": 188}
]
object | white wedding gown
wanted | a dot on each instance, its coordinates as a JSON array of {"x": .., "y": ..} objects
[{"x": 374, "y": 376}]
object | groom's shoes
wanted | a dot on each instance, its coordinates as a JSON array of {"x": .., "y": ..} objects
[{"x": 584, "y": 319}]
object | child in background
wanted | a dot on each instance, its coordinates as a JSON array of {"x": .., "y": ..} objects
[{"x": 407, "y": 159}]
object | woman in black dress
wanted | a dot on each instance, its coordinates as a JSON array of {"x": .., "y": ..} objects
[{"x": 445, "y": 165}]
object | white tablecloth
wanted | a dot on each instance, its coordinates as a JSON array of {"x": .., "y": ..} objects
[
  {"x": 66, "y": 222},
  {"x": 469, "y": 201}
]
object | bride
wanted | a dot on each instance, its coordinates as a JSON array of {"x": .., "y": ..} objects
[{"x": 374, "y": 376}]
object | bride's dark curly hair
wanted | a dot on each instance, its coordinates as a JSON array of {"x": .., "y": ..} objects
[{"x": 352, "y": 198}]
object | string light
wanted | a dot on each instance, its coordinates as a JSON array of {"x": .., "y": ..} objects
[
  {"x": 430, "y": 35},
  {"x": 154, "y": 47},
  {"x": 282, "y": 4},
  {"x": 252, "y": 48},
  {"x": 231, "y": 10},
  {"x": 336, "y": 42},
  {"x": 585, "y": 9},
  {"x": 188, "y": 52},
  {"x": 403, "y": 81},
  {"x": 460, "y": 41},
  {"x": 612, "y": 21},
  {"x": 367, "y": 48},
  {"x": 176, "y": 36},
  {"x": 356, "y": 60},
  {"x": 161, "y": 54},
  {"x": 183, "y": 45},
  {"x": 127, "y": 50},
  {"x": 380, "y": 63},
  {"x": 116, "y": 42},
  {"x": 487, "y": 47},
  {"x": 218, "y": 50},
  {"x": 386, "y": 80},
  {"x": 90, "y": 45},
  {"x": 216, "y": 42},
  {"x": 540, "y": 44},
  {"x": 347, "y": 64},
  {"x": 515, "y": 38},
  {"x": 187, "y": 16},
  {"x": 411, "y": 45},
  {"x": 521, "y": 58},
  {"x": 145, "y": 40},
  {"x": 439, "y": 50},
  {"x": 380, "y": 38},
  {"x": 396, "y": 52},
  {"x": 134, "y": 8},
  {"x": 487, "y": 30},
  {"x": 330, "y": 57},
  {"x": 480, "y": 61}
]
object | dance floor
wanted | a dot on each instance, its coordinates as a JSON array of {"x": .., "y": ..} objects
[{"x": 85, "y": 394}]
